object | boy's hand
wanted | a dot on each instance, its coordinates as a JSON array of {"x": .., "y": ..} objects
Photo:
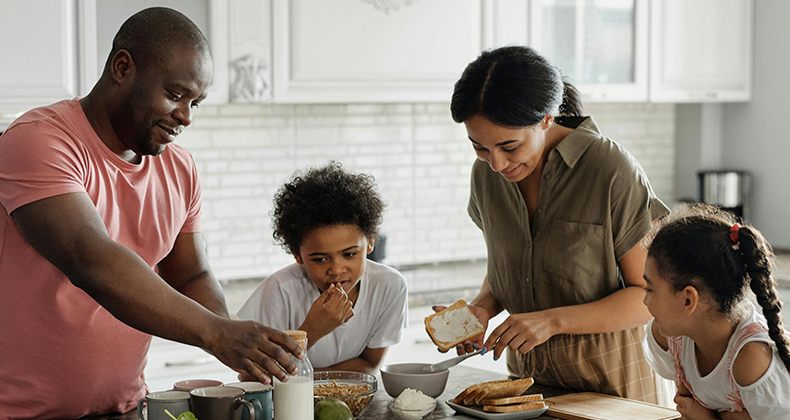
[{"x": 331, "y": 310}]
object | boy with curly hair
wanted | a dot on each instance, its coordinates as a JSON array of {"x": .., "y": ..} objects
[{"x": 352, "y": 308}]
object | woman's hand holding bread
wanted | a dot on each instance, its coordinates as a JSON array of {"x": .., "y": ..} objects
[
  {"x": 460, "y": 325},
  {"x": 331, "y": 310}
]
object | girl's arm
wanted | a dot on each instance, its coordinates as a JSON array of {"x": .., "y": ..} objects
[
  {"x": 621, "y": 310},
  {"x": 367, "y": 362}
]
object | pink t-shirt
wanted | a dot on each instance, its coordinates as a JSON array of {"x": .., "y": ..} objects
[{"x": 62, "y": 355}]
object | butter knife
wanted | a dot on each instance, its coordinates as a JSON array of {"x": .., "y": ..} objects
[{"x": 449, "y": 362}]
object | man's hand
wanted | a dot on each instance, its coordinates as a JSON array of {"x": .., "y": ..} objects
[
  {"x": 331, "y": 310},
  {"x": 252, "y": 348},
  {"x": 475, "y": 343}
]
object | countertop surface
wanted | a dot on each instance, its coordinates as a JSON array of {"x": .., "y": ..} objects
[{"x": 460, "y": 378}]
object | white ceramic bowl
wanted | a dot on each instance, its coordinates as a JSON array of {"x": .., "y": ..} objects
[
  {"x": 400, "y": 376},
  {"x": 412, "y": 414}
]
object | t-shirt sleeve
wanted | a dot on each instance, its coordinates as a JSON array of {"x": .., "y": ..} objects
[
  {"x": 473, "y": 208},
  {"x": 659, "y": 359},
  {"x": 634, "y": 205},
  {"x": 269, "y": 305},
  {"x": 38, "y": 161},
  {"x": 768, "y": 397},
  {"x": 192, "y": 222},
  {"x": 393, "y": 316}
]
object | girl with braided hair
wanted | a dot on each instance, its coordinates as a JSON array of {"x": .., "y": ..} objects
[{"x": 728, "y": 361}]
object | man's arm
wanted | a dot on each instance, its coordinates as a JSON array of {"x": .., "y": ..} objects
[
  {"x": 187, "y": 270},
  {"x": 68, "y": 231}
]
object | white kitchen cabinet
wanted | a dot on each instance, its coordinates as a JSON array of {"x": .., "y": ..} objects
[
  {"x": 101, "y": 19},
  {"x": 701, "y": 50},
  {"x": 601, "y": 46},
  {"x": 39, "y": 53},
  {"x": 372, "y": 51}
]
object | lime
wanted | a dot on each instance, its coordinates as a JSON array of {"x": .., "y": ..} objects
[{"x": 332, "y": 409}]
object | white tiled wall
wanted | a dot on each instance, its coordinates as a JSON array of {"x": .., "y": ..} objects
[{"x": 418, "y": 155}]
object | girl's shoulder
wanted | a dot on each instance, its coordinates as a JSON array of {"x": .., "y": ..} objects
[{"x": 752, "y": 362}]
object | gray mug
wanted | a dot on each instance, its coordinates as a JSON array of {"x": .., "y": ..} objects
[
  {"x": 219, "y": 402},
  {"x": 260, "y": 395},
  {"x": 176, "y": 402}
]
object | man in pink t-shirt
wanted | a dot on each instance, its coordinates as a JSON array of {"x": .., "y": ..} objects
[{"x": 100, "y": 241}]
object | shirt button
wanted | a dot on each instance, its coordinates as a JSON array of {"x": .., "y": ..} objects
[
  {"x": 547, "y": 176},
  {"x": 540, "y": 211},
  {"x": 527, "y": 280}
]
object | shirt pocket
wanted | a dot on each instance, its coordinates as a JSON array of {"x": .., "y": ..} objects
[{"x": 574, "y": 252}]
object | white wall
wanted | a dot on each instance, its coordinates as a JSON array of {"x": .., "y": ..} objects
[
  {"x": 420, "y": 158},
  {"x": 753, "y": 133}
]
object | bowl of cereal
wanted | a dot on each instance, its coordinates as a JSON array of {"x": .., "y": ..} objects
[{"x": 356, "y": 389}]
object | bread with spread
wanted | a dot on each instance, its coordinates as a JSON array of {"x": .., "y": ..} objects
[{"x": 453, "y": 325}]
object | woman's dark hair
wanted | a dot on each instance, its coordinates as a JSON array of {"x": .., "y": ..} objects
[
  {"x": 513, "y": 87},
  {"x": 324, "y": 197},
  {"x": 694, "y": 248}
]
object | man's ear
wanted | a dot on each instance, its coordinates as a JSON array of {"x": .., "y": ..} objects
[
  {"x": 371, "y": 245},
  {"x": 122, "y": 66},
  {"x": 690, "y": 299},
  {"x": 298, "y": 258}
]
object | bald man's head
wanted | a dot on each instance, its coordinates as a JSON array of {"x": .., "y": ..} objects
[{"x": 151, "y": 34}]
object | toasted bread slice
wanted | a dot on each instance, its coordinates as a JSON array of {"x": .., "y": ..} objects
[
  {"x": 504, "y": 390},
  {"x": 472, "y": 390},
  {"x": 512, "y": 408},
  {"x": 512, "y": 400},
  {"x": 453, "y": 325}
]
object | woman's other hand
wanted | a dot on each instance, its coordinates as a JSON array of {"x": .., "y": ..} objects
[
  {"x": 476, "y": 343},
  {"x": 521, "y": 333}
]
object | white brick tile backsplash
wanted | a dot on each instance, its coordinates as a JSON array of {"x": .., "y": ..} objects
[{"x": 420, "y": 158}]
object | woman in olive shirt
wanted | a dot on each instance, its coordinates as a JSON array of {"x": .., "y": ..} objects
[{"x": 563, "y": 210}]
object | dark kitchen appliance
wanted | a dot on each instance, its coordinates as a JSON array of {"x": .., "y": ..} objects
[{"x": 730, "y": 190}]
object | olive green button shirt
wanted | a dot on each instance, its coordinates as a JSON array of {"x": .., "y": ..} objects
[{"x": 595, "y": 204}]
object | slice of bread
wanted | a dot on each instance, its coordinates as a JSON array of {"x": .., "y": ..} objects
[
  {"x": 504, "y": 390},
  {"x": 514, "y": 407},
  {"x": 512, "y": 400},
  {"x": 472, "y": 390},
  {"x": 453, "y": 325}
]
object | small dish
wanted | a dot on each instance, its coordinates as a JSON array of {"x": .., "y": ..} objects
[{"x": 411, "y": 414}]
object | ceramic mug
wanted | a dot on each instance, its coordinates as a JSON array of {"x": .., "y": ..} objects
[
  {"x": 220, "y": 402},
  {"x": 190, "y": 384},
  {"x": 259, "y": 395},
  {"x": 176, "y": 402}
]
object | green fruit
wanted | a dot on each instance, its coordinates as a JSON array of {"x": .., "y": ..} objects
[{"x": 332, "y": 409}]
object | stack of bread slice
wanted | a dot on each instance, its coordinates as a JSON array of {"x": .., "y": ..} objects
[{"x": 501, "y": 396}]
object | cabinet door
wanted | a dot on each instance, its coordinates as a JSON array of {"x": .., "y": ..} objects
[
  {"x": 101, "y": 19},
  {"x": 600, "y": 45},
  {"x": 38, "y": 52},
  {"x": 701, "y": 50},
  {"x": 372, "y": 51}
]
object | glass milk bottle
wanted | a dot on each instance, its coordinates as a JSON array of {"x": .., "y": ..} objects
[{"x": 293, "y": 400}]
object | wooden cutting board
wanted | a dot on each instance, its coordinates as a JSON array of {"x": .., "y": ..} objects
[{"x": 592, "y": 406}]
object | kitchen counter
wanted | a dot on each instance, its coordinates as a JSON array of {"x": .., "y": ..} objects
[{"x": 460, "y": 378}]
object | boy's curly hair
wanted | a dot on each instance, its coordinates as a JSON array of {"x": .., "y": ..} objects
[{"x": 323, "y": 197}]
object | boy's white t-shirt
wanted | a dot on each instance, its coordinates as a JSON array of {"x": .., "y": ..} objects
[
  {"x": 767, "y": 398},
  {"x": 283, "y": 300}
]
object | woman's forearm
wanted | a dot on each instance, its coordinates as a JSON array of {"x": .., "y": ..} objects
[
  {"x": 485, "y": 299},
  {"x": 621, "y": 310}
]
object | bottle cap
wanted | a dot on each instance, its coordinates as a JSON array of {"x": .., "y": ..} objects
[{"x": 299, "y": 336}]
